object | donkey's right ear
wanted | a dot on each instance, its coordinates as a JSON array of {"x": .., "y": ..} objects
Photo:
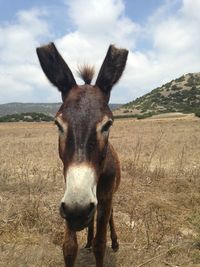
[
  {"x": 111, "y": 69},
  {"x": 55, "y": 68}
]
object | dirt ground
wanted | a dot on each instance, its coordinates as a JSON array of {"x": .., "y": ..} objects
[{"x": 157, "y": 212}]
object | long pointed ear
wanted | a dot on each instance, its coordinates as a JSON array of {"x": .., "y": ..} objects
[
  {"x": 55, "y": 68},
  {"x": 111, "y": 69}
]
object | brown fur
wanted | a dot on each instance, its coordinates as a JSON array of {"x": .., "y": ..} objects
[
  {"x": 83, "y": 109},
  {"x": 86, "y": 73}
]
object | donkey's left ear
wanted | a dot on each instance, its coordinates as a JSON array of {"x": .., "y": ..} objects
[
  {"x": 111, "y": 69},
  {"x": 55, "y": 68}
]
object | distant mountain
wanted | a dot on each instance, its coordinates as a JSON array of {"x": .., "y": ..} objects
[
  {"x": 46, "y": 108},
  {"x": 16, "y": 108},
  {"x": 179, "y": 95}
]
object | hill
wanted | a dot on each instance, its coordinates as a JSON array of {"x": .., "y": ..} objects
[
  {"x": 46, "y": 108},
  {"x": 17, "y": 108},
  {"x": 179, "y": 95}
]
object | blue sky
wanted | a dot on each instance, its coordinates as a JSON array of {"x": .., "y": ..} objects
[
  {"x": 162, "y": 37},
  {"x": 137, "y": 10}
]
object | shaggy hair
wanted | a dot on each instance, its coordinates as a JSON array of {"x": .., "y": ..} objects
[{"x": 86, "y": 73}]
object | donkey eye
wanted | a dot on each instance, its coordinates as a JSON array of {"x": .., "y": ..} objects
[
  {"x": 60, "y": 128},
  {"x": 106, "y": 126}
]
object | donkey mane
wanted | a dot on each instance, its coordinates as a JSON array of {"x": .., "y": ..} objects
[{"x": 86, "y": 73}]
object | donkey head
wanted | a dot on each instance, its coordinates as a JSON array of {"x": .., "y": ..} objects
[{"x": 83, "y": 121}]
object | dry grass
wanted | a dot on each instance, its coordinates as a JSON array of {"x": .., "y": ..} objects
[{"x": 156, "y": 209}]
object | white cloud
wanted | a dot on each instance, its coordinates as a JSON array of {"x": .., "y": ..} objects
[
  {"x": 88, "y": 17},
  {"x": 100, "y": 24},
  {"x": 20, "y": 76},
  {"x": 103, "y": 19},
  {"x": 173, "y": 35},
  {"x": 191, "y": 9},
  {"x": 174, "y": 38}
]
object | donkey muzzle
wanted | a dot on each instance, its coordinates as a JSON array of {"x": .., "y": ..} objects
[
  {"x": 79, "y": 202},
  {"x": 78, "y": 217}
]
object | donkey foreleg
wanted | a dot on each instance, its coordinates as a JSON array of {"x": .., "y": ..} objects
[
  {"x": 70, "y": 247},
  {"x": 113, "y": 235},
  {"x": 99, "y": 243},
  {"x": 90, "y": 234}
]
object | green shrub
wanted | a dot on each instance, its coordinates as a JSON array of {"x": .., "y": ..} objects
[
  {"x": 174, "y": 87},
  {"x": 145, "y": 115},
  {"x": 168, "y": 85},
  {"x": 197, "y": 113},
  {"x": 190, "y": 81},
  {"x": 181, "y": 79},
  {"x": 27, "y": 117}
]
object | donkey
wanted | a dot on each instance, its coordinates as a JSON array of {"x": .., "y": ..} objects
[{"x": 90, "y": 165}]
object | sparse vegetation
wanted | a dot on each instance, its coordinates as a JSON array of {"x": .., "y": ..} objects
[
  {"x": 181, "y": 79},
  {"x": 197, "y": 113},
  {"x": 136, "y": 116},
  {"x": 126, "y": 111},
  {"x": 179, "y": 95},
  {"x": 28, "y": 117},
  {"x": 156, "y": 207}
]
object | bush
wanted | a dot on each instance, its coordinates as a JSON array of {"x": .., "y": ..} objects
[
  {"x": 190, "y": 81},
  {"x": 145, "y": 115},
  {"x": 168, "y": 85},
  {"x": 27, "y": 117},
  {"x": 174, "y": 87},
  {"x": 181, "y": 79},
  {"x": 197, "y": 113}
]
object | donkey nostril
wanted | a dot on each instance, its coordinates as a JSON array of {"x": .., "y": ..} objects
[{"x": 76, "y": 212}]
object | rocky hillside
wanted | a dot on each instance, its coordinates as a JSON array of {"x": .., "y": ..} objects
[{"x": 179, "y": 95}]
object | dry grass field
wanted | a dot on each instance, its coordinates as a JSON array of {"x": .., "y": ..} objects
[{"x": 157, "y": 208}]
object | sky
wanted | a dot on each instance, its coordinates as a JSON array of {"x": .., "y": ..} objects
[{"x": 162, "y": 36}]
